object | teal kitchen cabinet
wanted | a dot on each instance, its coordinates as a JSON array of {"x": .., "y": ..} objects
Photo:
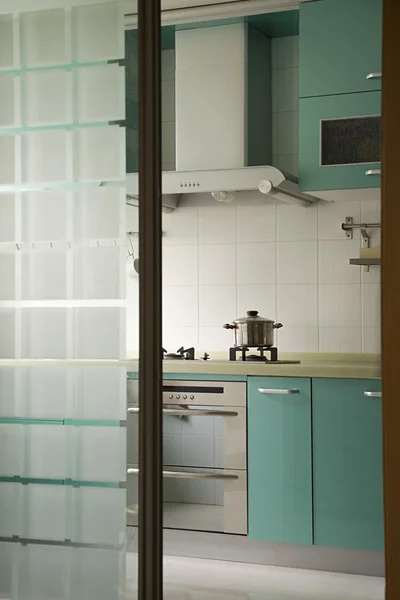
[
  {"x": 347, "y": 459},
  {"x": 340, "y": 46},
  {"x": 339, "y": 142},
  {"x": 279, "y": 460}
]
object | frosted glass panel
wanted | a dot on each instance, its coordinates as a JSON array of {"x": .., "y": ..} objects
[
  {"x": 99, "y": 333},
  {"x": 46, "y": 455},
  {"x": 44, "y": 573},
  {"x": 100, "y": 394},
  {"x": 101, "y": 152},
  {"x": 7, "y": 276},
  {"x": 98, "y": 273},
  {"x": 100, "y": 454},
  {"x": 8, "y": 564},
  {"x": 47, "y": 512},
  {"x": 10, "y": 510},
  {"x": 61, "y": 253},
  {"x": 7, "y": 163},
  {"x": 8, "y": 402},
  {"x": 95, "y": 574},
  {"x": 45, "y": 392},
  {"x": 8, "y": 84},
  {"x": 6, "y": 41},
  {"x": 44, "y": 333},
  {"x": 98, "y": 32},
  {"x": 47, "y": 98},
  {"x": 44, "y": 216},
  {"x": 11, "y": 449},
  {"x": 44, "y": 156},
  {"x": 97, "y": 213},
  {"x": 7, "y": 337},
  {"x": 100, "y": 93},
  {"x": 7, "y": 218},
  {"x": 44, "y": 39},
  {"x": 99, "y": 516},
  {"x": 44, "y": 275}
]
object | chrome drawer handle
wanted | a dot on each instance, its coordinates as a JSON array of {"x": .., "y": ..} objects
[
  {"x": 191, "y": 412},
  {"x": 376, "y": 75},
  {"x": 373, "y": 172},
  {"x": 188, "y": 475},
  {"x": 272, "y": 391},
  {"x": 373, "y": 394}
]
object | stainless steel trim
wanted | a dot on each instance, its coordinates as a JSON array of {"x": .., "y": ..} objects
[
  {"x": 376, "y": 75},
  {"x": 373, "y": 394},
  {"x": 189, "y": 412},
  {"x": 280, "y": 392},
  {"x": 150, "y": 547},
  {"x": 190, "y": 475},
  {"x": 373, "y": 172}
]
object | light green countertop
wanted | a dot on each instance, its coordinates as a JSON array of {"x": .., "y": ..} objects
[{"x": 353, "y": 366}]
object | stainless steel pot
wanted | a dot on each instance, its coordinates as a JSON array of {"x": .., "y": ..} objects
[{"x": 253, "y": 330}]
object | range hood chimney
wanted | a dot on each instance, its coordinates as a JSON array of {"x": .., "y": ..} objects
[{"x": 223, "y": 113}]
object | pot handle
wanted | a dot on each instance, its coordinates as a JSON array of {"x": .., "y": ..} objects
[
  {"x": 277, "y": 325},
  {"x": 230, "y": 326}
]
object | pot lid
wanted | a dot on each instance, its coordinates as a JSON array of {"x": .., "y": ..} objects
[{"x": 253, "y": 316}]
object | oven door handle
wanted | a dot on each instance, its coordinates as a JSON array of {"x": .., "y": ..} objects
[
  {"x": 189, "y": 475},
  {"x": 191, "y": 412}
]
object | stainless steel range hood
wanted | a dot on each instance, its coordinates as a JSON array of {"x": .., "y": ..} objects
[
  {"x": 225, "y": 185},
  {"x": 223, "y": 122}
]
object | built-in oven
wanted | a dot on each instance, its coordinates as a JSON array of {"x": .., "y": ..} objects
[{"x": 205, "y": 458}]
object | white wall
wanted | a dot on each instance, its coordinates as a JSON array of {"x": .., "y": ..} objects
[{"x": 291, "y": 264}]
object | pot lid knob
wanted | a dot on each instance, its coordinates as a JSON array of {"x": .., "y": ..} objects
[{"x": 252, "y": 313}]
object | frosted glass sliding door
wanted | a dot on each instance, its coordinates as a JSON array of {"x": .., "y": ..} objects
[{"x": 62, "y": 300}]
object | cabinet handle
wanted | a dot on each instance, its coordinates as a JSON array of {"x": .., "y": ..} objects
[
  {"x": 189, "y": 475},
  {"x": 373, "y": 394},
  {"x": 373, "y": 172},
  {"x": 374, "y": 76},
  {"x": 191, "y": 412},
  {"x": 282, "y": 392}
]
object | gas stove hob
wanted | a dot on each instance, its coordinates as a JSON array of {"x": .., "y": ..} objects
[
  {"x": 182, "y": 354},
  {"x": 261, "y": 357}
]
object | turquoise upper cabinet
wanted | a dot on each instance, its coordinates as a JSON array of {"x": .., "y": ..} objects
[
  {"x": 347, "y": 448},
  {"x": 339, "y": 141},
  {"x": 279, "y": 460},
  {"x": 340, "y": 45}
]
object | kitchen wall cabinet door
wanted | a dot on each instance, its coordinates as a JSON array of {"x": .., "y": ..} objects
[
  {"x": 279, "y": 460},
  {"x": 347, "y": 459},
  {"x": 340, "y": 141},
  {"x": 340, "y": 45}
]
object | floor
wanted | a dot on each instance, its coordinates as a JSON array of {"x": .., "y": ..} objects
[{"x": 196, "y": 579}]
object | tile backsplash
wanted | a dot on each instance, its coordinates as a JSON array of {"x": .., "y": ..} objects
[{"x": 291, "y": 264}]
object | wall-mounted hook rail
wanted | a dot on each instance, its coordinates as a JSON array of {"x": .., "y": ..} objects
[{"x": 348, "y": 226}]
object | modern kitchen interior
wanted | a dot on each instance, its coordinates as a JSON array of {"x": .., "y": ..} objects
[{"x": 271, "y": 235}]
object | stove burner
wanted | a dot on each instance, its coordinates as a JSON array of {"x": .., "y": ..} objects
[
  {"x": 254, "y": 357},
  {"x": 181, "y": 354}
]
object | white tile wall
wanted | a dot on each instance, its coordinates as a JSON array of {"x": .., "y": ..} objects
[{"x": 291, "y": 264}]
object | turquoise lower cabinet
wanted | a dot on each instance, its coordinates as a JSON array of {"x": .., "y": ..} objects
[
  {"x": 347, "y": 449},
  {"x": 279, "y": 460},
  {"x": 339, "y": 142}
]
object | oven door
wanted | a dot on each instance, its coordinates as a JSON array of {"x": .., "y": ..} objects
[{"x": 205, "y": 477}]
